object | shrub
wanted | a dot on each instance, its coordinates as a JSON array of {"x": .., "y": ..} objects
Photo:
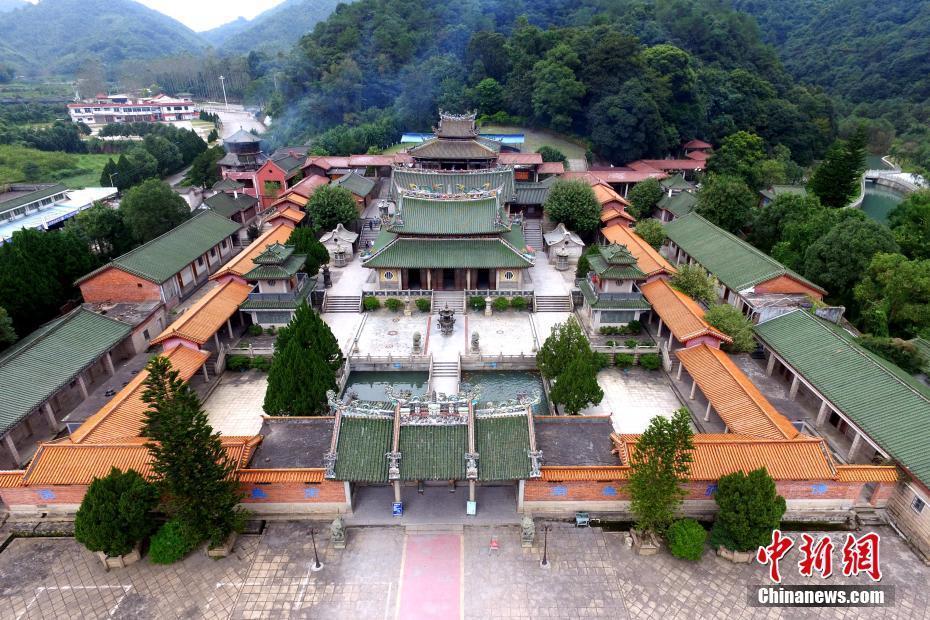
[
  {"x": 694, "y": 282},
  {"x": 500, "y": 304},
  {"x": 633, "y": 328},
  {"x": 734, "y": 324},
  {"x": 393, "y": 304},
  {"x": 611, "y": 343},
  {"x": 115, "y": 512},
  {"x": 631, "y": 343},
  {"x": 897, "y": 351},
  {"x": 650, "y": 361},
  {"x": 686, "y": 538},
  {"x": 750, "y": 508},
  {"x": 423, "y": 304},
  {"x": 624, "y": 360},
  {"x": 255, "y": 330},
  {"x": 519, "y": 303},
  {"x": 477, "y": 303},
  {"x": 261, "y": 363},
  {"x": 271, "y": 331},
  {"x": 172, "y": 542},
  {"x": 370, "y": 303},
  {"x": 238, "y": 363},
  {"x": 584, "y": 266},
  {"x": 610, "y": 330}
]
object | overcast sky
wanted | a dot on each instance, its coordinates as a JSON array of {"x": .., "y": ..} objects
[{"x": 206, "y": 14}]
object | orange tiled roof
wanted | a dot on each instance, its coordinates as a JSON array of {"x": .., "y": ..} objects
[
  {"x": 208, "y": 315},
  {"x": 70, "y": 463},
  {"x": 867, "y": 473},
  {"x": 679, "y": 312},
  {"x": 562, "y": 474},
  {"x": 122, "y": 417},
  {"x": 11, "y": 478},
  {"x": 281, "y": 475},
  {"x": 293, "y": 214},
  {"x": 290, "y": 198},
  {"x": 612, "y": 212},
  {"x": 649, "y": 261},
  {"x": 803, "y": 458},
  {"x": 551, "y": 167},
  {"x": 605, "y": 193},
  {"x": 737, "y": 401},
  {"x": 242, "y": 263}
]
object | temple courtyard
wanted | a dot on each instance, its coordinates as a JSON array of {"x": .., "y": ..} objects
[{"x": 390, "y": 572}]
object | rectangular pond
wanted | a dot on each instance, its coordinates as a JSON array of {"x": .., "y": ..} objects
[
  {"x": 370, "y": 385},
  {"x": 498, "y": 385}
]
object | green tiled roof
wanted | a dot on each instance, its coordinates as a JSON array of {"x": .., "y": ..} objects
[
  {"x": 531, "y": 193},
  {"x": 414, "y": 253},
  {"x": 680, "y": 204},
  {"x": 676, "y": 182},
  {"x": 43, "y": 362},
  {"x": 615, "y": 262},
  {"x": 362, "y": 444},
  {"x": 889, "y": 405},
  {"x": 283, "y": 304},
  {"x": 227, "y": 184},
  {"x": 924, "y": 347},
  {"x": 433, "y": 452},
  {"x": 425, "y": 216},
  {"x": 455, "y": 182},
  {"x": 771, "y": 192},
  {"x": 290, "y": 165},
  {"x": 26, "y": 198},
  {"x": 285, "y": 269},
  {"x": 438, "y": 148},
  {"x": 162, "y": 257},
  {"x": 226, "y": 204},
  {"x": 502, "y": 444},
  {"x": 734, "y": 262},
  {"x": 356, "y": 183},
  {"x": 612, "y": 301},
  {"x": 515, "y": 236}
]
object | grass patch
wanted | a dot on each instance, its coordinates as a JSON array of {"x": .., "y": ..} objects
[
  {"x": 91, "y": 167},
  {"x": 535, "y": 138},
  {"x": 21, "y": 164}
]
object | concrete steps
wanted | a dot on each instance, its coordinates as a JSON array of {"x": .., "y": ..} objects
[
  {"x": 368, "y": 235},
  {"x": 532, "y": 231},
  {"x": 552, "y": 303},
  {"x": 446, "y": 369},
  {"x": 454, "y": 299},
  {"x": 342, "y": 303}
]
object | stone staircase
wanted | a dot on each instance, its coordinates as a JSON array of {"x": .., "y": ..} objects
[
  {"x": 444, "y": 376},
  {"x": 455, "y": 300},
  {"x": 552, "y": 303},
  {"x": 368, "y": 235},
  {"x": 532, "y": 231},
  {"x": 342, "y": 303}
]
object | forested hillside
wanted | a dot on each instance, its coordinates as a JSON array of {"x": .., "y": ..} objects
[
  {"x": 62, "y": 37},
  {"x": 635, "y": 77},
  {"x": 275, "y": 29}
]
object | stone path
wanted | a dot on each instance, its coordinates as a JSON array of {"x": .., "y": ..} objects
[
  {"x": 431, "y": 577},
  {"x": 235, "y": 406},
  {"x": 593, "y": 574},
  {"x": 633, "y": 397}
]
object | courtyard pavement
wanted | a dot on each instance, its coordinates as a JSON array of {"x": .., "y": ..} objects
[
  {"x": 235, "y": 406},
  {"x": 633, "y": 397},
  {"x": 387, "y": 572}
]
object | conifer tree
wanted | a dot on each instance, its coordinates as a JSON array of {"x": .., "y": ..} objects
[{"x": 190, "y": 466}]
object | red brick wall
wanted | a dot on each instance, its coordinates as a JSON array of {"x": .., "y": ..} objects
[
  {"x": 785, "y": 284},
  {"x": 294, "y": 492},
  {"x": 269, "y": 172},
  {"x": 43, "y": 496},
  {"x": 117, "y": 285}
]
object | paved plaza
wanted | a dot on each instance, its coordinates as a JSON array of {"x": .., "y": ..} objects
[
  {"x": 235, "y": 406},
  {"x": 633, "y": 397},
  {"x": 387, "y": 572}
]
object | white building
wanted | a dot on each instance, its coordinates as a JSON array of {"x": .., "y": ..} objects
[{"x": 122, "y": 109}]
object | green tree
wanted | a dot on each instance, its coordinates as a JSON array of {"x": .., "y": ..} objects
[
  {"x": 576, "y": 387},
  {"x": 627, "y": 125},
  {"x": 550, "y": 153},
  {"x": 329, "y": 206},
  {"x": 839, "y": 259},
  {"x": 304, "y": 367},
  {"x": 167, "y": 154},
  {"x": 213, "y": 136},
  {"x": 694, "y": 282},
  {"x": 652, "y": 231},
  {"x": 574, "y": 204},
  {"x": 739, "y": 156},
  {"x": 557, "y": 92},
  {"x": 305, "y": 241},
  {"x": 488, "y": 96},
  {"x": 204, "y": 170},
  {"x": 902, "y": 353},
  {"x": 734, "y": 324},
  {"x": 894, "y": 295},
  {"x": 769, "y": 222},
  {"x": 104, "y": 229},
  {"x": 138, "y": 165},
  {"x": 565, "y": 343},
  {"x": 836, "y": 181},
  {"x": 749, "y": 508},
  {"x": 108, "y": 174},
  {"x": 152, "y": 208},
  {"x": 189, "y": 464},
  {"x": 910, "y": 224},
  {"x": 643, "y": 197},
  {"x": 658, "y": 466},
  {"x": 686, "y": 538},
  {"x": 115, "y": 513},
  {"x": 726, "y": 201},
  {"x": 7, "y": 332}
]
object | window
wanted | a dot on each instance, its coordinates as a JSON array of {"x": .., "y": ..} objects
[
  {"x": 617, "y": 316},
  {"x": 918, "y": 505},
  {"x": 200, "y": 262},
  {"x": 388, "y": 275},
  {"x": 212, "y": 252},
  {"x": 272, "y": 282},
  {"x": 509, "y": 275},
  {"x": 223, "y": 244},
  {"x": 145, "y": 334}
]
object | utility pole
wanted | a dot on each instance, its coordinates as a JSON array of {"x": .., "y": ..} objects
[{"x": 223, "y": 84}]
